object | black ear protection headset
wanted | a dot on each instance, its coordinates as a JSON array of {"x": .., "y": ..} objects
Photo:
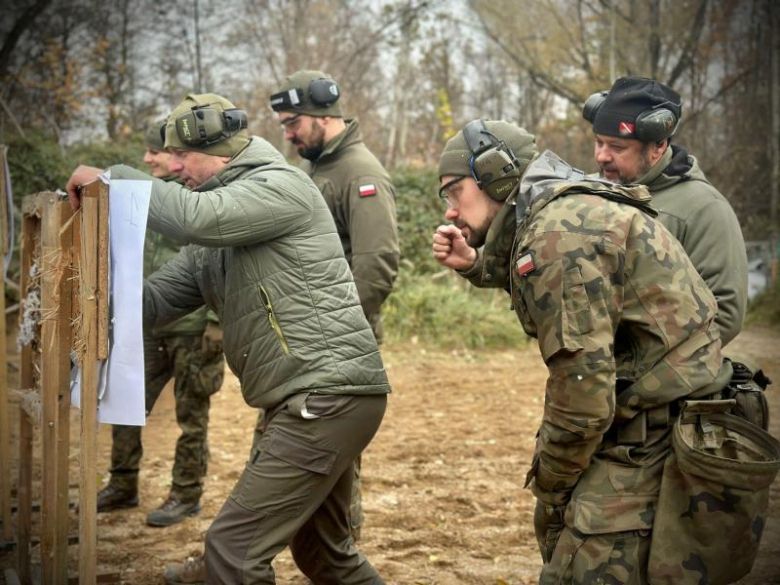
[
  {"x": 204, "y": 125},
  {"x": 322, "y": 93},
  {"x": 494, "y": 166},
  {"x": 654, "y": 125}
]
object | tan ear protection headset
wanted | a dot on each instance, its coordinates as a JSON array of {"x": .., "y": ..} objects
[
  {"x": 204, "y": 125},
  {"x": 494, "y": 166}
]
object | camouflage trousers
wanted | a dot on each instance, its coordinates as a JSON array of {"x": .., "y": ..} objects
[
  {"x": 196, "y": 377},
  {"x": 609, "y": 520},
  {"x": 616, "y": 558}
]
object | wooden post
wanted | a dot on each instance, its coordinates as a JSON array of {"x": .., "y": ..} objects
[
  {"x": 30, "y": 226},
  {"x": 5, "y": 431},
  {"x": 64, "y": 290},
  {"x": 89, "y": 284},
  {"x": 55, "y": 352}
]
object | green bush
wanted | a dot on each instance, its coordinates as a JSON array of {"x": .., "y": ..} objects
[
  {"x": 447, "y": 312},
  {"x": 419, "y": 213},
  {"x": 37, "y": 163}
]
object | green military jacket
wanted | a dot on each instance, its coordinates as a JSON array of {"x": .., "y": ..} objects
[
  {"x": 705, "y": 224},
  {"x": 265, "y": 255},
  {"x": 157, "y": 251},
  {"x": 625, "y": 325},
  {"x": 358, "y": 192}
]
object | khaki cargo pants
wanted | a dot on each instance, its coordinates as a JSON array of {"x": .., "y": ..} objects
[
  {"x": 196, "y": 378},
  {"x": 296, "y": 490}
]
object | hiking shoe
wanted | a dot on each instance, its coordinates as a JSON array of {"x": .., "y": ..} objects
[
  {"x": 193, "y": 570},
  {"x": 172, "y": 512},
  {"x": 114, "y": 498}
]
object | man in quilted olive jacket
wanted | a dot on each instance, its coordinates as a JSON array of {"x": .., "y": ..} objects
[{"x": 264, "y": 254}]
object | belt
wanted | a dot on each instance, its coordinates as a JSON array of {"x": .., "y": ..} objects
[{"x": 634, "y": 431}]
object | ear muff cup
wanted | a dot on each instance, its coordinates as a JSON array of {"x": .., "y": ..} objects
[
  {"x": 323, "y": 92},
  {"x": 656, "y": 125},
  {"x": 494, "y": 166},
  {"x": 591, "y": 106}
]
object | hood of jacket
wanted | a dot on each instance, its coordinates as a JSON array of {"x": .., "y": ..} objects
[
  {"x": 675, "y": 166},
  {"x": 258, "y": 153},
  {"x": 547, "y": 178}
]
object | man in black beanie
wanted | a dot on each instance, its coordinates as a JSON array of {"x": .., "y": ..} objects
[{"x": 633, "y": 125}]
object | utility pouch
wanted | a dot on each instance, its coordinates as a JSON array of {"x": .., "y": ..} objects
[
  {"x": 714, "y": 494},
  {"x": 747, "y": 386}
]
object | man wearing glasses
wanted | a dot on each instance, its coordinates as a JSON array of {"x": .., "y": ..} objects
[
  {"x": 354, "y": 183},
  {"x": 357, "y": 190}
]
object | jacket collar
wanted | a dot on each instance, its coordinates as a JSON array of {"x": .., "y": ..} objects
[
  {"x": 257, "y": 153},
  {"x": 549, "y": 177},
  {"x": 349, "y": 136},
  {"x": 675, "y": 166}
]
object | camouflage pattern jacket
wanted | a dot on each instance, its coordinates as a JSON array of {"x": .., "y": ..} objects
[
  {"x": 361, "y": 198},
  {"x": 704, "y": 223},
  {"x": 625, "y": 325}
]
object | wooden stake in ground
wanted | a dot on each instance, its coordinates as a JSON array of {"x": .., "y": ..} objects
[
  {"x": 30, "y": 227},
  {"x": 94, "y": 209},
  {"x": 55, "y": 387},
  {"x": 5, "y": 431}
]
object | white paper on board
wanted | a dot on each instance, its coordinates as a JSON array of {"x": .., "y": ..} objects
[{"x": 121, "y": 392}]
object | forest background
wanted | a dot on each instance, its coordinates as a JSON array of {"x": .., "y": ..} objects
[{"x": 81, "y": 79}]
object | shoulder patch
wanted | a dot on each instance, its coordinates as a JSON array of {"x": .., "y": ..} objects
[
  {"x": 525, "y": 264},
  {"x": 367, "y": 190}
]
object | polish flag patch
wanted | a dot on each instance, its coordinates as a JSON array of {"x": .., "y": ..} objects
[
  {"x": 625, "y": 128},
  {"x": 367, "y": 190},
  {"x": 525, "y": 264}
]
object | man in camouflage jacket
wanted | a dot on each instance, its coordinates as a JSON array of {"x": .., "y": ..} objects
[
  {"x": 264, "y": 254},
  {"x": 189, "y": 351},
  {"x": 625, "y": 325},
  {"x": 358, "y": 192}
]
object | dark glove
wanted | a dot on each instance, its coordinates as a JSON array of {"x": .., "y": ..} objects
[
  {"x": 211, "y": 345},
  {"x": 548, "y": 525}
]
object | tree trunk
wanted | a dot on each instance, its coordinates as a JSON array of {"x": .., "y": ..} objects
[{"x": 774, "y": 135}]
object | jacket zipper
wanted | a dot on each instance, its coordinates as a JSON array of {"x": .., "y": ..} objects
[{"x": 274, "y": 322}]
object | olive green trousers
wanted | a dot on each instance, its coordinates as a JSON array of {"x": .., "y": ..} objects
[{"x": 295, "y": 491}]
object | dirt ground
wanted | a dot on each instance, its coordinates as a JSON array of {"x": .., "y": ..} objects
[{"x": 442, "y": 480}]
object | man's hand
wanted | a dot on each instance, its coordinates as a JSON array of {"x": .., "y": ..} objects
[
  {"x": 211, "y": 346},
  {"x": 451, "y": 250},
  {"x": 548, "y": 525},
  {"x": 81, "y": 176}
]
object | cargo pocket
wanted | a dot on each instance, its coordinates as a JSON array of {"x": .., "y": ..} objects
[
  {"x": 619, "y": 513},
  {"x": 282, "y": 473},
  {"x": 578, "y": 316},
  {"x": 573, "y": 319},
  {"x": 714, "y": 496},
  {"x": 607, "y": 543}
]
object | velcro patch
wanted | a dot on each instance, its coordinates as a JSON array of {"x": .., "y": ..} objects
[
  {"x": 525, "y": 264},
  {"x": 367, "y": 190}
]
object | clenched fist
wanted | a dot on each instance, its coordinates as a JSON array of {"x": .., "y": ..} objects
[{"x": 451, "y": 250}]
